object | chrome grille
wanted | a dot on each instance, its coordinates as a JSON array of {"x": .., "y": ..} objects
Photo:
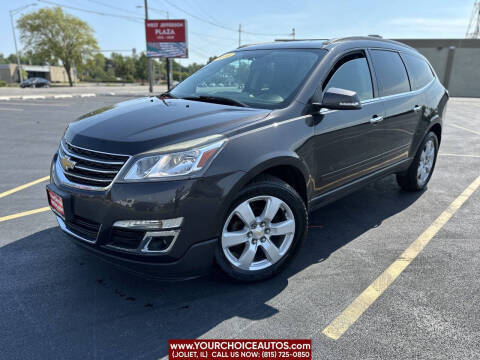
[{"x": 92, "y": 168}]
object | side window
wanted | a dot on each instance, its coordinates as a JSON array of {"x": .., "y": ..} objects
[
  {"x": 391, "y": 74},
  {"x": 352, "y": 73},
  {"x": 419, "y": 71}
]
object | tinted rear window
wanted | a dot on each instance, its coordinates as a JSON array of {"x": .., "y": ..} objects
[
  {"x": 419, "y": 71},
  {"x": 391, "y": 74}
]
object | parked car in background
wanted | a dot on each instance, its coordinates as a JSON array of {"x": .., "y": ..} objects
[
  {"x": 171, "y": 184},
  {"x": 36, "y": 82}
]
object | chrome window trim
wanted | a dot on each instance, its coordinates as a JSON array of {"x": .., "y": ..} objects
[{"x": 388, "y": 97}]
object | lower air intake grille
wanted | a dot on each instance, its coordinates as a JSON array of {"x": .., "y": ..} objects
[
  {"x": 126, "y": 239},
  {"x": 85, "y": 228}
]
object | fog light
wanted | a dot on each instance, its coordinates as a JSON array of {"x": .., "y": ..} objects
[
  {"x": 149, "y": 224},
  {"x": 159, "y": 241}
]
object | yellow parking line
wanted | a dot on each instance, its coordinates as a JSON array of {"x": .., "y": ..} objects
[
  {"x": 460, "y": 155},
  {"x": 461, "y": 127},
  {"x": 24, "y": 186},
  {"x": 25, "y": 213},
  {"x": 10, "y": 109},
  {"x": 351, "y": 314}
]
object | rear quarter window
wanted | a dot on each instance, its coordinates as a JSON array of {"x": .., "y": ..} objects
[
  {"x": 418, "y": 70},
  {"x": 390, "y": 71}
]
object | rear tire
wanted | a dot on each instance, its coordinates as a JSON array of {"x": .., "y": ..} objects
[
  {"x": 263, "y": 229},
  {"x": 421, "y": 169}
]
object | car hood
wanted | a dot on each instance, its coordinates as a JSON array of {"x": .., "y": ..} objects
[{"x": 144, "y": 124}]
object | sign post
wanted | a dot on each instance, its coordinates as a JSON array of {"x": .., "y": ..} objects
[{"x": 166, "y": 39}]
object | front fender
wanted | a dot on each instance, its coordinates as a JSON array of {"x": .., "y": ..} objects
[{"x": 262, "y": 165}]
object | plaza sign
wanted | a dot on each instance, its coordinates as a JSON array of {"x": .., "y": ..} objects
[{"x": 166, "y": 38}]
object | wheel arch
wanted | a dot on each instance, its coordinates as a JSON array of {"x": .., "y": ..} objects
[
  {"x": 288, "y": 167},
  {"x": 437, "y": 130}
]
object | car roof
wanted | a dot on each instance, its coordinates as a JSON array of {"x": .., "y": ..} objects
[{"x": 346, "y": 43}]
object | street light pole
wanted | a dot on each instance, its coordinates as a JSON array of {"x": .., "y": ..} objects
[
  {"x": 20, "y": 75},
  {"x": 149, "y": 61},
  {"x": 13, "y": 12}
]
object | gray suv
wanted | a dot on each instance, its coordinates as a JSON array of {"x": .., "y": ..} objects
[{"x": 226, "y": 167}]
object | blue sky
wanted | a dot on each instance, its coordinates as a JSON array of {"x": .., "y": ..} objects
[{"x": 310, "y": 18}]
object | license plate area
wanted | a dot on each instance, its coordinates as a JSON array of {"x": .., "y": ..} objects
[
  {"x": 60, "y": 202},
  {"x": 56, "y": 203}
]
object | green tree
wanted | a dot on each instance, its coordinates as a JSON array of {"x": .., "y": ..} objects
[
  {"x": 141, "y": 70},
  {"x": 54, "y": 35},
  {"x": 124, "y": 66},
  {"x": 94, "y": 68}
]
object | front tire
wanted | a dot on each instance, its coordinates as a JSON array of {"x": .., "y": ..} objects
[
  {"x": 420, "y": 171},
  {"x": 263, "y": 229}
]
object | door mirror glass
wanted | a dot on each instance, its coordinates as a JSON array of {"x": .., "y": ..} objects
[{"x": 340, "y": 99}]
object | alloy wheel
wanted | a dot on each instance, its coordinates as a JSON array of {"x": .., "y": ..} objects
[
  {"x": 258, "y": 233},
  {"x": 425, "y": 164}
]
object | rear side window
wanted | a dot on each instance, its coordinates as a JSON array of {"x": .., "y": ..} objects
[
  {"x": 419, "y": 71},
  {"x": 352, "y": 73},
  {"x": 391, "y": 74}
]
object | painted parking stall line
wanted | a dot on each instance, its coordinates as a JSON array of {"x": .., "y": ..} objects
[
  {"x": 24, "y": 186},
  {"x": 464, "y": 128},
  {"x": 24, "y": 213},
  {"x": 353, "y": 312}
]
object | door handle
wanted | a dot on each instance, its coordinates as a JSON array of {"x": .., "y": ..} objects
[
  {"x": 376, "y": 119},
  {"x": 417, "y": 108}
]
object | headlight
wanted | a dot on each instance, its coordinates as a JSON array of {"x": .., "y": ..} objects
[{"x": 173, "y": 164}]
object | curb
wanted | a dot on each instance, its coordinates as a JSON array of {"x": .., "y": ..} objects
[{"x": 68, "y": 96}]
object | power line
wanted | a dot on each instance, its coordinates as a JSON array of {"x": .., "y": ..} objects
[
  {"x": 194, "y": 50},
  {"x": 110, "y": 6},
  {"x": 158, "y": 10},
  {"x": 212, "y": 36},
  {"x": 203, "y": 12},
  {"x": 218, "y": 25},
  {"x": 129, "y": 18}
]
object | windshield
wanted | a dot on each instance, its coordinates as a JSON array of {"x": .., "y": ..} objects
[{"x": 266, "y": 79}]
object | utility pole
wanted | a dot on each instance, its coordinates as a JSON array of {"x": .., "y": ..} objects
[
  {"x": 169, "y": 73},
  {"x": 168, "y": 68},
  {"x": 13, "y": 12},
  {"x": 239, "y": 35},
  {"x": 473, "y": 30},
  {"x": 149, "y": 61},
  {"x": 20, "y": 75}
]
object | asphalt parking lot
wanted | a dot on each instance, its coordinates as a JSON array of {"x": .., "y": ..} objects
[{"x": 57, "y": 301}]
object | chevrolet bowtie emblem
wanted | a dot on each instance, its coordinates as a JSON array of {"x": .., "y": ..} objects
[{"x": 67, "y": 163}]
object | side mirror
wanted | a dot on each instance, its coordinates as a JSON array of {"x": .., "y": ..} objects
[{"x": 340, "y": 99}]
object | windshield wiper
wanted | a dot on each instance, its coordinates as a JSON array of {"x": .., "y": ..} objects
[
  {"x": 216, "y": 99},
  {"x": 167, "y": 94}
]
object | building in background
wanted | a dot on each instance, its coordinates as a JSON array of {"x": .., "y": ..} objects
[
  {"x": 456, "y": 62},
  {"x": 9, "y": 73}
]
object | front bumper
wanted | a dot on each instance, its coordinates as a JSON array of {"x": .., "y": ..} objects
[
  {"x": 200, "y": 202},
  {"x": 197, "y": 260}
]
